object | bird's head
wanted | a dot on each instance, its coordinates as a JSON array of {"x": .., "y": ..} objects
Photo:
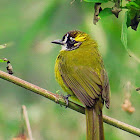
[{"x": 72, "y": 40}]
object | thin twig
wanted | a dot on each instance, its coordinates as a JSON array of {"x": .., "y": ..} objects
[
  {"x": 25, "y": 115},
  {"x": 121, "y": 125},
  {"x": 59, "y": 99}
]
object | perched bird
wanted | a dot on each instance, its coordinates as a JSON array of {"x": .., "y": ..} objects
[{"x": 79, "y": 69}]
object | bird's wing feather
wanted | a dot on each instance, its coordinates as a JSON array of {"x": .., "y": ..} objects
[
  {"x": 106, "y": 88},
  {"x": 84, "y": 83}
]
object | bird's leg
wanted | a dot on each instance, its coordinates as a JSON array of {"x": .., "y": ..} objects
[{"x": 66, "y": 99}]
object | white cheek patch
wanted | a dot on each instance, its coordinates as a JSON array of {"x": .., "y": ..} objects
[
  {"x": 64, "y": 47},
  {"x": 66, "y": 38}
]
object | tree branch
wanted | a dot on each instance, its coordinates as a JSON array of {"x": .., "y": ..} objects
[{"x": 60, "y": 100}]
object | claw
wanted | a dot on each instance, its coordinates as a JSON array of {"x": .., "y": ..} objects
[{"x": 66, "y": 99}]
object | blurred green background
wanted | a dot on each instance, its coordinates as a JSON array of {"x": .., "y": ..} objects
[{"x": 28, "y": 27}]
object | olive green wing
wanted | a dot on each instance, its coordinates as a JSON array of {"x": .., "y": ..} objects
[
  {"x": 106, "y": 88},
  {"x": 83, "y": 82}
]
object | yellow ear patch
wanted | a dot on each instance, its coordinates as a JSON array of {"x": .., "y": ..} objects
[
  {"x": 81, "y": 37},
  {"x": 76, "y": 44}
]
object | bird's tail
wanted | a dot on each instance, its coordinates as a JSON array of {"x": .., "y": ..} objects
[{"x": 94, "y": 122}]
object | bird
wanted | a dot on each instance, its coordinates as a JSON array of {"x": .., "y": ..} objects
[{"x": 79, "y": 69}]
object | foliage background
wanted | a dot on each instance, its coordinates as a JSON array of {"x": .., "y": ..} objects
[{"x": 28, "y": 27}]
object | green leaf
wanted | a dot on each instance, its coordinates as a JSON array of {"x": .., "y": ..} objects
[
  {"x": 1, "y": 60},
  {"x": 124, "y": 31},
  {"x": 96, "y": 1},
  {"x": 133, "y": 14},
  {"x": 133, "y": 5},
  {"x": 137, "y": 1},
  {"x": 105, "y": 12},
  {"x": 128, "y": 19}
]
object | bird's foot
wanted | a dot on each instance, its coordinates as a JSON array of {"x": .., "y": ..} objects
[{"x": 66, "y": 98}]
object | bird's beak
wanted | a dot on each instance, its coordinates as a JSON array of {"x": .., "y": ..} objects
[{"x": 60, "y": 42}]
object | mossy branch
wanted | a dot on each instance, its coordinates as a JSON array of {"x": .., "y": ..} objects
[{"x": 59, "y": 99}]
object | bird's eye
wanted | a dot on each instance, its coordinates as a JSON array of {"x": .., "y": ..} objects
[{"x": 71, "y": 40}]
